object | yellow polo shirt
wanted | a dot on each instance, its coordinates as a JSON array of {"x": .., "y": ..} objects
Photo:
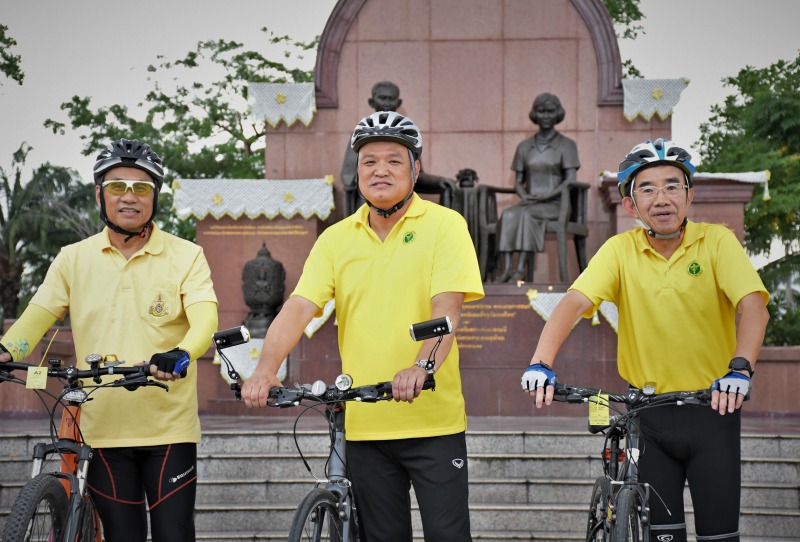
[
  {"x": 677, "y": 317},
  {"x": 381, "y": 288},
  {"x": 131, "y": 308}
]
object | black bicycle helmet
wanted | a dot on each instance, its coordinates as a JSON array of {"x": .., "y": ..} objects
[
  {"x": 649, "y": 153},
  {"x": 388, "y": 126},
  {"x": 135, "y": 154},
  {"x": 129, "y": 153}
]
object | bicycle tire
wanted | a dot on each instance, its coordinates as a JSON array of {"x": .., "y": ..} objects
[
  {"x": 597, "y": 528},
  {"x": 317, "y": 519},
  {"x": 90, "y": 522},
  {"x": 39, "y": 512},
  {"x": 627, "y": 526}
]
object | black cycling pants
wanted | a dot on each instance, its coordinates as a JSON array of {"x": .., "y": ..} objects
[
  {"x": 382, "y": 473},
  {"x": 120, "y": 478},
  {"x": 697, "y": 445}
]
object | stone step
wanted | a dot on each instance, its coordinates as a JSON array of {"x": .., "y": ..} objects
[
  {"x": 552, "y": 518},
  {"x": 507, "y": 442},
  {"x": 252, "y": 480}
]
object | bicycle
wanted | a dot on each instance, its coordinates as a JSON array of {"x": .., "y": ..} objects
[
  {"x": 328, "y": 511},
  {"x": 619, "y": 509},
  {"x": 56, "y": 506}
]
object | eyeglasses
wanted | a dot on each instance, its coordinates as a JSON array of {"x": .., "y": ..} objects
[
  {"x": 119, "y": 187},
  {"x": 672, "y": 191}
]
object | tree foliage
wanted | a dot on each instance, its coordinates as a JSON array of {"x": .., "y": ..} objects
[
  {"x": 627, "y": 17},
  {"x": 54, "y": 208},
  {"x": 758, "y": 128},
  {"x": 200, "y": 129},
  {"x": 10, "y": 64}
]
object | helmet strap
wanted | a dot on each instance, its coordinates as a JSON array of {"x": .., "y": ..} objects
[{"x": 116, "y": 229}]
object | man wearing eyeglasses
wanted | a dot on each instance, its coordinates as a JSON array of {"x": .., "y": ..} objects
[
  {"x": 692, "y": 316},
  {"x": 139, "y": 293}
]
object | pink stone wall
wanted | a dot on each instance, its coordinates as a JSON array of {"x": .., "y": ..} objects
[{"x": 468, "y": 71}]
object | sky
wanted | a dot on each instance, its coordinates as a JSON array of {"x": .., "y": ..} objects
[{"x": 93, "y": 48}]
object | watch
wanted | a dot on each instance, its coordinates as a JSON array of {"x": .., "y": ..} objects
[
  {"x": 427, "y": 364},
  {"x": 741, "y": 364}
]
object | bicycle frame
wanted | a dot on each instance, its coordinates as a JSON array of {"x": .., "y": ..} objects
[{"x": 337, "y": 482}]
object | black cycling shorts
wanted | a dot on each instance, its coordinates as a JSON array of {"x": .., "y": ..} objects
[
  {"x": 699, "y": 446},
  {"x": 121, "y": 478}
]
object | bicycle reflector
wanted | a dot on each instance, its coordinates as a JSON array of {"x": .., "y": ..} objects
[
  {"x": 231, "y": 337},
  {"x": 432, "y": 328}
]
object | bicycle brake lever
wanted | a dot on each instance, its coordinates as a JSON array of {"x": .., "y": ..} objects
[{"x": 156, "y": 384}]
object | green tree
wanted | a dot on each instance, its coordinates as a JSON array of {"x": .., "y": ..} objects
[
  {"x": 757, "y": 128},
  {"x": 52, "y": 209},
  {"x": 626, "y": 16},
  {"x": 200, "y": 129},
  {"x": 10, "y": 64}
]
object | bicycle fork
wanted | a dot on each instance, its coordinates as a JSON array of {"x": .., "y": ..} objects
[
  {"x": 74, "y": 457},
  {"x": 628, "y": 479}
]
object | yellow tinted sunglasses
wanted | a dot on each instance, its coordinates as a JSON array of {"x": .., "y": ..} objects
[{"x": 120, "y": 186}]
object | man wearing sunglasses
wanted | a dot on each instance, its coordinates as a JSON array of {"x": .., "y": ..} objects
[
  {"x": 692, "y": 316},
  {"x": 140, "y": 294}
]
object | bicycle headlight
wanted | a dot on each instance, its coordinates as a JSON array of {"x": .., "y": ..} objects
[
  {"x": 76, "y": 396},
  {"x": 343, "y": 382},
  {"x": 318, "y": 388}
]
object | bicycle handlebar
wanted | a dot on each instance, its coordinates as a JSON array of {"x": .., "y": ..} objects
[
  {"x": 634, "y": 398},
  {"x": 133, "y": 377},
  {"x": 289, "y": 397}
]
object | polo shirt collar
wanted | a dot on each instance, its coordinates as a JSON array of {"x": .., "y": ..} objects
[
  {"x": 691, "y": 234},
  {"x": 154, "y": 245}
]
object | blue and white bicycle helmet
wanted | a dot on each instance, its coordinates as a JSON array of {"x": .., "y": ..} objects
[{"x": 650, "y": 153}]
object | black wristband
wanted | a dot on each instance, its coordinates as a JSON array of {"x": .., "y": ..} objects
[{"x": 741, "y": 364}]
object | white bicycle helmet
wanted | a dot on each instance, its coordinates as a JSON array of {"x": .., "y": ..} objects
[
  {"x": 650, "y": 153},
  {"x": 388, "y": 126}
]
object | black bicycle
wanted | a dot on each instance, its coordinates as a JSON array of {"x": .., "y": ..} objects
[
  {"x": 328, "y": 511},
  {"x": 619, "y": 510},
  {"x": 56, "y": 506}
]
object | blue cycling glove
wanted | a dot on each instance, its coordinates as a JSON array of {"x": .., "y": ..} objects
[
  {"x": 538, "y": 376},
  {"x": 174, "y": 361},
  {"x": 732, "y": 382}
]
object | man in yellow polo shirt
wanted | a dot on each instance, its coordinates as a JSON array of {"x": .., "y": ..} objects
[
  {"x": 141, "y": 294},
  {"x": 398, "y": 260},
  {"x": 679, "y": 287}
]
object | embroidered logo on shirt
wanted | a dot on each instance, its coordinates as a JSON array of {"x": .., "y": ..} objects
[
  {"x": 694, "y": 269},
  {"x": 409, "y": 237},
  {"x": 158, "y": 308}
]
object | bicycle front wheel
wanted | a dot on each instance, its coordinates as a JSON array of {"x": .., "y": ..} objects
[
  {"x": 628, "y": 525},
  {"x": 90, "y": 523},
  {"x": 597, "y": 528},
  {"x": 317, "y": 518},
  {"x": 39, "y": 512}
]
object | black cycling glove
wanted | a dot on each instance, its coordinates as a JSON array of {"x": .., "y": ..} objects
[{"x": 174, "y": 361}]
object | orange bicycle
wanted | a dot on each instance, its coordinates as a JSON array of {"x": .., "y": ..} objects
[{"x": 55, "y": 506}]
